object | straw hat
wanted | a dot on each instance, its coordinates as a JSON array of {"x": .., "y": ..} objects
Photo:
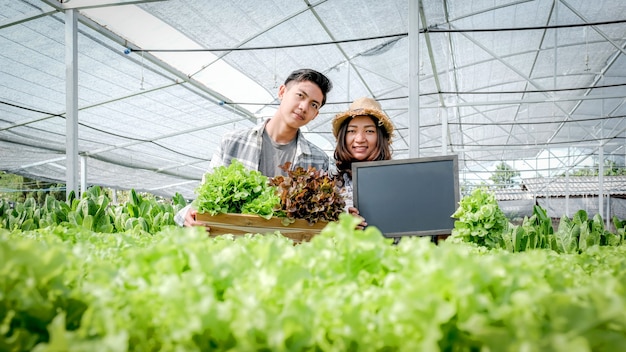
[{"x": 364, "y": 107}]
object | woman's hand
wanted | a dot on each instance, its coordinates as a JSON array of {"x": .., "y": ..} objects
[{"x": 355, "y": 212}]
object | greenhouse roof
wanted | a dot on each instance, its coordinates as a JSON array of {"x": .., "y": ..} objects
[{"x": 538, "y": 84}]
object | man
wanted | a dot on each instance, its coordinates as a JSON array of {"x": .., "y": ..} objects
[{"x": 272, "y": 143}]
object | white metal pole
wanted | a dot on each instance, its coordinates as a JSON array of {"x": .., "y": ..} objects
[
  {"x": 71, "y": 102},
  {"x": 607, "y": 220},
  {"x": 414, "y": 90},
  {"x": 567, "y": 184},
  {"x": 444, "y": 131},
  {"x": 83, "y": 175},
  {"x": 601, "y": 166},
  {"x": 601, "y": 180}
]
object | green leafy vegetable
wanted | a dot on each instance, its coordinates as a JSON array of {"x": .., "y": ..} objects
[
  {"x": 480, "y": 219},
  {"x": 93, "y": 210},
  {"x": 71, "y": 289},
  {"x": 234, "y": 189},
  {"x": 310, "y": 194}
]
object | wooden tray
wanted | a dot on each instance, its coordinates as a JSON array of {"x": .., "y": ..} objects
[{"x": 241, "y": 224}]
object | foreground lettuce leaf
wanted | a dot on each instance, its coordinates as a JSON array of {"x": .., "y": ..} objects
[{"x": 346, "y": 289}]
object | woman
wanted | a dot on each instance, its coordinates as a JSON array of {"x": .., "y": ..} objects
[{"x": 363, "y": 133}]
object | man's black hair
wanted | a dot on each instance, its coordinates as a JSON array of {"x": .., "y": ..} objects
[{"x": 307, "y": 74}]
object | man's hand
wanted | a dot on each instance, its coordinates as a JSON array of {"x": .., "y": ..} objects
[{"x": 190, "y": 219}]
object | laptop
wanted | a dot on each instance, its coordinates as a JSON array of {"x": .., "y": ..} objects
[{"x": 408, "y": 197}]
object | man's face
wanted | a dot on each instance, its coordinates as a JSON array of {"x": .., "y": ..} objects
[{"x": 300, "y": 103}]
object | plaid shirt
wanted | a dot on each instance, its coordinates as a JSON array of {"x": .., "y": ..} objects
[
  {"x": 245, "y": 146},
  {"x": 346, "y": 191}
]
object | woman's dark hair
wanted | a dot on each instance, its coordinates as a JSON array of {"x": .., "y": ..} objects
[
  {"x": 343, "y": 157},
  {"x": 307, "y": 74}
]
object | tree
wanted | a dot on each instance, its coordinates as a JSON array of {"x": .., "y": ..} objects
[
  {"x": 610, "y": 169},
  {"x": 504, "y": 176}
]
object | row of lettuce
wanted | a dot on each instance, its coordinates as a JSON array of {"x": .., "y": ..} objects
[
  {"x": 479, "y": 219},
  {"x": 72, "y": 289},
  {"x": 93, "y": 277},
  {"x": 92, "y": 211}
]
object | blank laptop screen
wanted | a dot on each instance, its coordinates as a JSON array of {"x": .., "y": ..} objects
[{"x": 408, "y": 197}]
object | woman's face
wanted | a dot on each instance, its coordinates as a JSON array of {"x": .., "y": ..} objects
[{"x": 361, "y": 137}]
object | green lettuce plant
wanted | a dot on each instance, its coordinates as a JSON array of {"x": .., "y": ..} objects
[
  {"x": 234, "y": 189},
  {"x": 479, "y": 219}
]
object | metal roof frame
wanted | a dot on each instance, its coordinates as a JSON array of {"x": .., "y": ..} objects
[{"x": 486, "y": 89}]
